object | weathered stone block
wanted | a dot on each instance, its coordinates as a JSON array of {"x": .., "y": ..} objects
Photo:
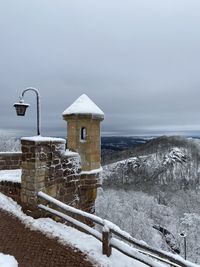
[
  {"x": 39, "y": 179},
  {"x": 42, "y": 157},
  {"x": 31, "y": 186},
  {"x": 40, "y": 186},
  {"x": 58, "y": 173},
  {"x": 49, "y": 155},
  {"x": 56, "y": 161},
  {"x": 40, "y": 172},
  {"x": 51, "y": 190}
]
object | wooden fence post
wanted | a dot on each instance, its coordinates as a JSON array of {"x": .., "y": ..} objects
[{"x": 106, "y": 236}]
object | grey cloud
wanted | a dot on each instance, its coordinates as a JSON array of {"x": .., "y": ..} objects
[{"x": 138, "y": 60}]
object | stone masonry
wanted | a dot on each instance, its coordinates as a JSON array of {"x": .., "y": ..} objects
[
  {"x": 48, "y": 167},
  {"x": 11, "y": 189},
  {"x": 89, "y": 149},
  {"x": 10, "y": 160}
]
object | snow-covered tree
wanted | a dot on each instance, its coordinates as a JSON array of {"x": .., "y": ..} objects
[
  {"x": 9, "y": 144},
  {"x": 190, "y": 225}
]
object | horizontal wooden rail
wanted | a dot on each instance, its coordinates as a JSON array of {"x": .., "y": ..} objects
[
  {"x": 75, "y": 222},
  {"x": 133, "y": 253},
  {"x": 75, "y": 211},
  {"x": 129, "y": 251},
  {"x": 157, "y": 254},
  {"x": 108, "y": 241}
]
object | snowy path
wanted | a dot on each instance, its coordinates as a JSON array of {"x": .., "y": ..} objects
[
  {"x": 68, "y": 236},
  {"x": 33, "y": 249}
]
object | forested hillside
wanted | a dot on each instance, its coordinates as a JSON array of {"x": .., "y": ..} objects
[
  {"x": 152, "y": 185},
  {"x": 172, "y": 162}
]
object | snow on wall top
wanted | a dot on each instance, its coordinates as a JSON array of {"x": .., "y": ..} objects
[
  {"x": 70, "y": 153},
  {"x": 84, "y": 105},
  {"x": 13, "y": 176},
  {"x": 95, "y": 171},
  {"x": 40, "y": 138}
]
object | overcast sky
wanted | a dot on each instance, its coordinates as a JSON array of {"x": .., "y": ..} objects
[{"x": 138, "y": 60}]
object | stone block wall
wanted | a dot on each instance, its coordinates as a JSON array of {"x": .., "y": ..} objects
[
  {"x": 11, "y": 189},
  {"x": 48, "y": 167},
  {"x": 89, "y": 182},
  {"x": 89, "y": 149},
  {"x": 10, "y": 160},
  {"x": 40, "y": 168}
]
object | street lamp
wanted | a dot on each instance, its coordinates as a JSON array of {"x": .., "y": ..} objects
[
  {"x": 183, "y": 235},
  {"x": 21, "y": 106}
]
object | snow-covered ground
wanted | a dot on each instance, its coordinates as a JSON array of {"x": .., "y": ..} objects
[
  {"x": 69, "y": 236},
  {"x": 11, "y": 176},
  {"x": 7, "y": 261}
]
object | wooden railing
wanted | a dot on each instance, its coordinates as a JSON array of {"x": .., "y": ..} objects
[{"x": 142, "y": 252}]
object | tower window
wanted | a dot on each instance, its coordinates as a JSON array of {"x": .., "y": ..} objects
[{"x": 83, "y": 134}]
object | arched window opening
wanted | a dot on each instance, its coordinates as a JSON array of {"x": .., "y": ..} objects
[{"x": 83, "y": 134}]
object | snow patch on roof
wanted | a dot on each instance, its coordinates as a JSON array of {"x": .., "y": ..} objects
[
  {"x": 84, "y": 105},
  {"x": 39, "y": 138},
  {"x": 13, "y": 176}
]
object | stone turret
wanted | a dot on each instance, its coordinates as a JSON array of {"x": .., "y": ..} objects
[{"x": 83, "y": 118}]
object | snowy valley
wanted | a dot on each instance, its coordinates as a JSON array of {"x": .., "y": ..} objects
[{"x": 155, "y": 184}]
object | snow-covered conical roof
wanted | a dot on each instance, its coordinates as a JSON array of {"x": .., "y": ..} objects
[{"x": 84, "y": 106}]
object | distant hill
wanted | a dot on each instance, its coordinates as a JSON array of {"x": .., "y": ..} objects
[
  {"x": 167, "y": 163},
  {"x": 112, "y": 146}
]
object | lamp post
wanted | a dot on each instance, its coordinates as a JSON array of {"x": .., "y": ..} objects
[
  {"x": 21, "y": 106},
  {"x": 185, "y": 248}
]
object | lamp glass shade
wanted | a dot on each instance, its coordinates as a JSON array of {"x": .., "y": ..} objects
[{"x": 21, "y": 108}]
